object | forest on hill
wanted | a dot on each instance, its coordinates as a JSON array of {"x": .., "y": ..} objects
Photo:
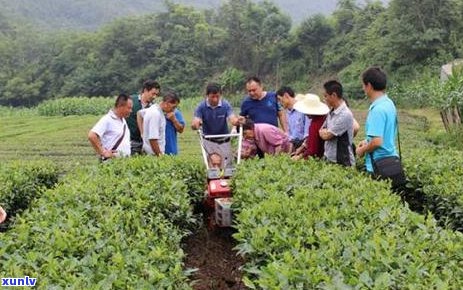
[
  {"x": 184, "y": 48},
  {"x": 90, "y": 15}
]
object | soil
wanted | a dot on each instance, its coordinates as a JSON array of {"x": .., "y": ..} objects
[{"x": 210, "y": 251}]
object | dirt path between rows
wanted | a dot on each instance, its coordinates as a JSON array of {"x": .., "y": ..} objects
[{"x": 211, "y": 252}]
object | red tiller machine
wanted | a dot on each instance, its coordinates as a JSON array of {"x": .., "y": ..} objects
[{"x": 218, "y": 196}]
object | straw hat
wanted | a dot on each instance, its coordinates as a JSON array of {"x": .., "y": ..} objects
[
  {"x": 310, "y": 104},
  {"x": 299, "y": 97}
]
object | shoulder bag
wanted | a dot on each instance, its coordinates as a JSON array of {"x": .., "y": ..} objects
[
  {"x": 390, "y": 167},
  {"x": 118, "y": 142}
]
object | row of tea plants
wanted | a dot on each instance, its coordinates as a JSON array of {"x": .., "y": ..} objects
[
  {"x": 312, "y": 225},
  {"x": 438, "y": 174},
  {"x": 114, "y": 226},
  {"x": 301, "y": 225},
  {"x": 23, "y": 181}
]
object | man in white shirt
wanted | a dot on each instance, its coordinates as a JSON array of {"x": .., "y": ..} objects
[
  {"x": 144, "y": 100},
  {"x": 110, "y": 137},
  {"x": 152, "y": 124}
]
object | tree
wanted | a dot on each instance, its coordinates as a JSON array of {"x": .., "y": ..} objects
[
  {"x": 313, "y": 34},
  {"x": 232, "y": 80},
  {"x": 189, "y": 49},
  {"x": 418, "y": 29},
  {"x": 254, "y": 31},
  {"x": 358, "y": 45},
  {"x": 345, "y": 16}
]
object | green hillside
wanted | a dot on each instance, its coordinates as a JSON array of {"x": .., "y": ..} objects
[{"x": 89, "y": 15}]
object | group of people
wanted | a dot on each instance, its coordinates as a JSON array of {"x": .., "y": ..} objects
[
  {"x": 300, "y": 125},
  {"x": 309, "y": 127},
  {"x": 137, "y": 125}
]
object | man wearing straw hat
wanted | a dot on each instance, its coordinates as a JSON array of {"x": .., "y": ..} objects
[
  {"x": 338, "y": 129},
  {"x": 311, "y": 105}
]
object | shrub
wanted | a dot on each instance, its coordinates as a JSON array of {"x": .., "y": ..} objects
[
  {"x": 11, "y": 111},
  {"x": 117, "y": 226},
  {"x": 438, "y": 175},
  {"x": 313, "y": 225},
  {"x": 23, "y": 181},
  {"x": 75, "y": 106}
]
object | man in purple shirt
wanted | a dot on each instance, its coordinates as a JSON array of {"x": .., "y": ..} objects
[
  {"x": 268, "y": 138},
  {"x": 298, "y": 123}
]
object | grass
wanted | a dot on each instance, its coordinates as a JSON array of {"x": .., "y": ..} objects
[{"x": 417, "y": 128}]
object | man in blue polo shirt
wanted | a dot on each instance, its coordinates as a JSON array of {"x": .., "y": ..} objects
[
  {"x": 381, "y": 124},
  {"x": 261, "y": 106},
  {"x": 213, "y": 115}
]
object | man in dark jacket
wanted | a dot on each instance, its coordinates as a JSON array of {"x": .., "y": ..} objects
[{"x": 149, "y": 92}]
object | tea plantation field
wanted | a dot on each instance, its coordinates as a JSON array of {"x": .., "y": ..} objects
[
  {"x": 28, "y": 136},
  {"x": 299, "y": 225}
]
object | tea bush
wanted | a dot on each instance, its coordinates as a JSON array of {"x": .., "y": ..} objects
[
  {"x": 116, "y": 226},
  {"x": 438, "y": 174},
  {"x": 23, "y": 181},
  {"x": 312, "y": 225}
]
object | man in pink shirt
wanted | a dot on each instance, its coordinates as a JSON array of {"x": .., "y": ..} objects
[
  {"x": 2, "y": 215},
  {"x": 268, "y": 138}
]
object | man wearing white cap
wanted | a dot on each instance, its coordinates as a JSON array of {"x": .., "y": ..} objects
[{"x": 311, "y": 105}]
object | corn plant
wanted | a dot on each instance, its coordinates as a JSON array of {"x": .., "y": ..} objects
[{"x": 75, "y": 106}]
